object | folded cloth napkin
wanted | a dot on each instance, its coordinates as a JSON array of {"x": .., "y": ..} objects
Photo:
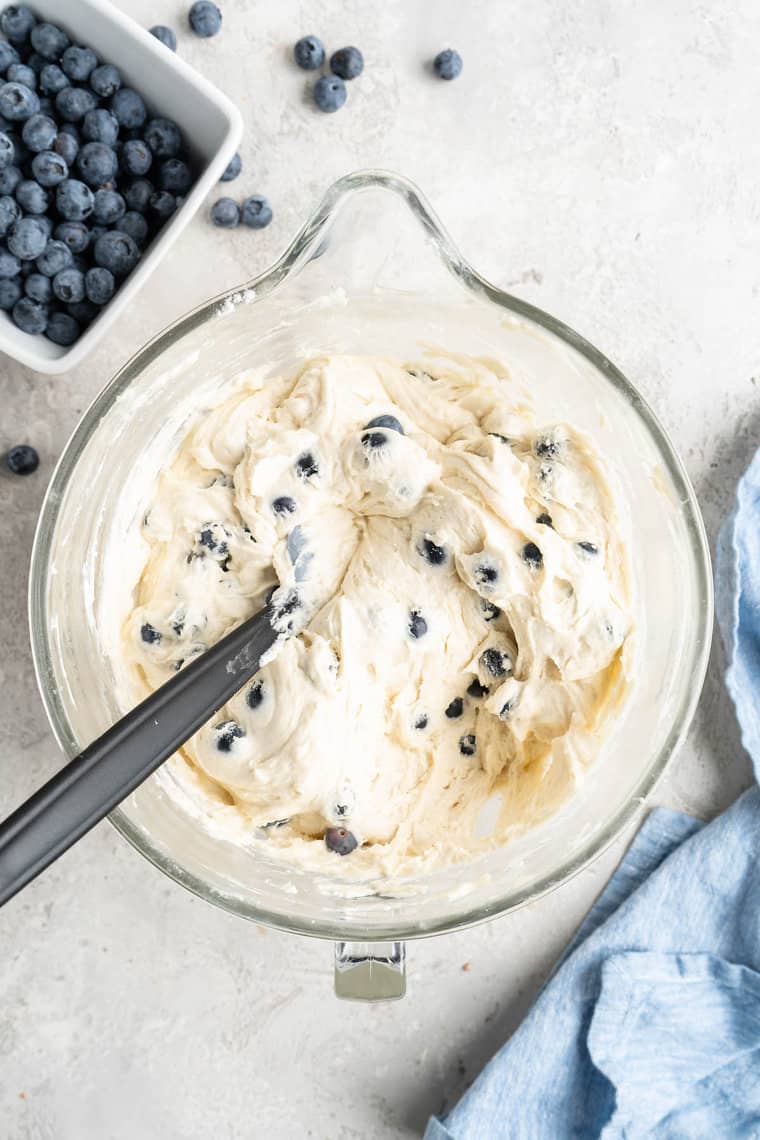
[{"x": 650, "y": 1027}]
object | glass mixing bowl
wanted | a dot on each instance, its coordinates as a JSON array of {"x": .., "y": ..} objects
[{"x": 372, "y": 271}]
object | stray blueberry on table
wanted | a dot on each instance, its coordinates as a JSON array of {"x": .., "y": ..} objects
[
  {"x": 39, "y": 133},
  {"x": 164, "y": 36},
  {"x": 417, "y": 625},
  {"x": 135, "y": 225},
  {"x": 100, "y": 285},
  {"x": 20, "y": 73},
  {"x": 454, "y": 710},
  {"x": 340, "y": 840},
  {"x": 56, "y": 256},
  {"x": 10, "y": 292},
  {"x": 306, "y": 466},
  {"x": 468, "y": 745},
  {"x": 544, "y": 520},
  {"x": 74, "y": 200},
  {"x": 139, "y": 193},
  {"x": 532, "y": 556},
  {"x": 421, "y": 722},
  {"x": 49, "y": 169},
  {"x": 17, "y": 22},
  {"x": 79, "y": 63},
  {"x": 9, "y": 180},
  {"x": 309, "y": 53},
  {"x": 49, "y": 41},
  {"x": 226, "y": 734},
  {"x": 385, "y": 421},
  {"x": 10, "y": 212},
  {"x": 22, "y": 459},
  {"x": 494, "y": 662},
  {"x": 73, "y": 103},
  {"x": 27, "y": 238},
  {"x": 31, "y": 197},
  {"x": 116, "y": 251},
  {"x": 10, "y": 265},
  {"x": 53, "y": 79},
  {"x": 62, "y": 329},
  {"x": 432, "y": 552},
  {"x": 105, "y": 80},
  {"x": 175, "y": 176},
  {"x": 330, "y": 93},
  {"x": 476, "y": 690},
  {"x": 39, "y": 288},
  {"x": 374, "y": 440},
  {"x": 205, "y": 19},
  {"x": 225, "y": 213},
  {"x": 588, "y": 548},
  {"x": 18, "y": 103},
  {"x": 234, "y": 166},
  {"x": 129, "y": 108},
  {"x": 284, "y": 505},
  {"x": 162, "y": 205},
  {"x": 448, "y": 64},
  {"x": 255, "y": 695},
  {"x": 256, "y": 212},
  {"x": 347, "y": 62},
  {"x": 30, "y": 316}
]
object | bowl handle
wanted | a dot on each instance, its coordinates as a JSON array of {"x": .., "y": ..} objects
[{"x": 370, "y": 971}]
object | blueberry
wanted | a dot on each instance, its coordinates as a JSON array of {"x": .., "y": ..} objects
[
  {"x": 139, "y": 193},
  {"x": 17, "y": 22},
  {"x": 309, "y": 53},
  {"x": 225, "y": 212},
  {"x": 283, "y": 505},
  {"x": 31, "y": 197},
  {"x": 22, "y": 459},
  {"x": 506, "y": 710},
  {"x": 432, "y": 552},
  {"x": 7, "y": 151},
  {"x": 214, "y": 537},
  {"x": 100, "y": 126},
  {"x": 18, "y": 103},
  {"x": 62, "y": 329},
  {"x": 149, "y": 634},
  {"x": 163, "y": 137},
  {"x": 136, "y": 158},
  {"x": 9, "y": 180},
  {"x": 68, "y": 285},
  {"x": 74, "y": 200},
  {"x": 116, "y": 251},
  {"x": 588, "y": 548},
  {"x": 36, "y": 62},
  {"x": 97, "y": 163},
  {"x": 10, "y": 266},
  {"x": 84, "y": 312},
  {"x": 128, "y": 108},
  {"x": 374, "y": 440},
  {"x": 20, "y": 73},
  {"x": 164, "y": 36},
  {"x": 234, "y": 166},
  {"x": 340, "y": 840},
  {"x": 347, "y": 62},
  {"x": 53, "y": 79},
  {"x": 38, "y": 288},
  {"x": 162, "y": 205},
  {"x": 27, "y": 238},
  {"x": 493, "y": 662},
  {"x": 455, "y": 709},
  {"x": 49, "y": 169},
  {"x": 21, "y": 153},
  {"x": 135, "y": 225},
  {"x": 544, "y": 520},
  {"x": 226, "y": 734},
  {"x": 421, "y": 722},
  {"x": 417, "y": 625},
  {"x": 175, "y": 176},
  {"x": 468, "y": 744},
  {"x": 10, "y": 292},
  {"x": 105, "y": 80},
  {"x": 476, "y": 690},
  {"x": 205, "y": 18},
  {"x": 73, "y": 103},
  {"x": 30, "y": 316},
  {"x": 546, "y": 448},
  {"x": 70, "y": 237},
  {"x": 47, "y": 224},
  {"x": 532, "y": 555},
  {"x": 109, "y": 207},
  {"x": 10, "y": 212},
  {"x": 39, "y": 133},
  {"x": 330, "y": 93},
  {"x": 50, "y": 41},
  {"x": 255, "y": 695},
  {"x": 447, "y": 64},
  {"x": 385, "y": 421},
  {"x": 8, "y": 55},
  {"x": 306, "y": 466},
  {"x": 79, "y": 63}
]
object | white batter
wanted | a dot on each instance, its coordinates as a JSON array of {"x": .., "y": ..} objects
[{"x": 461, "y": 591}]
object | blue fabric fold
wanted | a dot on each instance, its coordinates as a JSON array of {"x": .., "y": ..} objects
[{"x": 650, "y": 1026}]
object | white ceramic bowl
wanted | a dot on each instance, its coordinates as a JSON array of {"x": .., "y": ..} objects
[{"x": 210, "y": 122}]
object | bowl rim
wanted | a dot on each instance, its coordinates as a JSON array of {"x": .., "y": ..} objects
[{"x": 305, "y": 243}]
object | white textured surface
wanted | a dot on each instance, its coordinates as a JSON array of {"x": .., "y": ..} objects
[{"x": 598, "y": 159}]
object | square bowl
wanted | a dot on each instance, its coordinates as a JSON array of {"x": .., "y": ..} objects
[{"x": 211, "y": 125}]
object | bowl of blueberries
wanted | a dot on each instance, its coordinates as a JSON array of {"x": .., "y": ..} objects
[{"x": 109, "y": 143}]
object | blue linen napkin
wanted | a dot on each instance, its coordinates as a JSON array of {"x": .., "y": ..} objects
[{"x": 651, "y": 1025}]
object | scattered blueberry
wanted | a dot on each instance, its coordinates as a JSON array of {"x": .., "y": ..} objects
[
  {"x": 39, "y": 133},
  {"x": 8, "y": 55},
  {"x": 74, "y": 200},
  {"x": 138, "y": 194},
  {"x": 430, "y": 550},
  {"x": 162, "y": 205},
  {"x": 330, "y": 93},
  {"x": 544, "y": 520},
  {"x": 97, "y": 163},
  {"x": 468, "y": 745},
  {"x": 70, "y": 238},
  {"x": 20, "y": 73},
  {"x": 532, "y": 555},
  {"x": 27, "y": 238},
  {"x": 256, "y": 212},
  {"x": 284, "y": 505},
  {"x": 226, "y": 734},
  {"x": 17, "y": 22},
  {"x": 22, "y": 459},
  {"x": 105, "y": 80},
  {"x": 588, "y": 548},
  {"x": 68, "y": 285},
  {"x": 417, "y": 626},
  {"x": 135, "y": 225},
  {"x": 306, "y": 466},
  {"x": 10, "y": 292},
  {"x": 116, "y": 251},
  {"x": 205, "y": 19},
  {"x": 49, "y": 41},
  {"x": 31, "y": 197},
  {"x": 53, "y": 79},
  {"x": 38, "y": 287},
  {"x": 175, "y": 176},
  {"x": 421, "y": 722},
  {"x": 255, "y": 695},
  {"x": 476, "y": 690},
  {"x": 448, "y": 64},
  {"x": 455, "y": 709},
  {"x": 374, "y": 440},
  {"x": 347, "y": 62},
  {"x": 136, "y": 158},
  {"x": 9, "y": 180},
  {"x": 62, "y": 329},
  {"x": 164, "y": 36},
  {"x": 10, "y": 212},
  {"x": 386, "y": 421},
  {"x": 49, "y": 169},
  {"x": 309, "y": 53},
  {"x": 18, "y": 103},
  {"x": 340, "y": 840},
  {"x": 100, "y": 285},
  {"x": 234, "y": 166},
  {"x": 30, "y": 316},
  {"x": 226, "y": 213},
  {"x": 129, "y": 108},
  {"x": 494, "y": 662},
  {"x": 10, "y": 265}
]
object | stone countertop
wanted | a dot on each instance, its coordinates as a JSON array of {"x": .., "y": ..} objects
[{"x": 595, "y": 158}]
